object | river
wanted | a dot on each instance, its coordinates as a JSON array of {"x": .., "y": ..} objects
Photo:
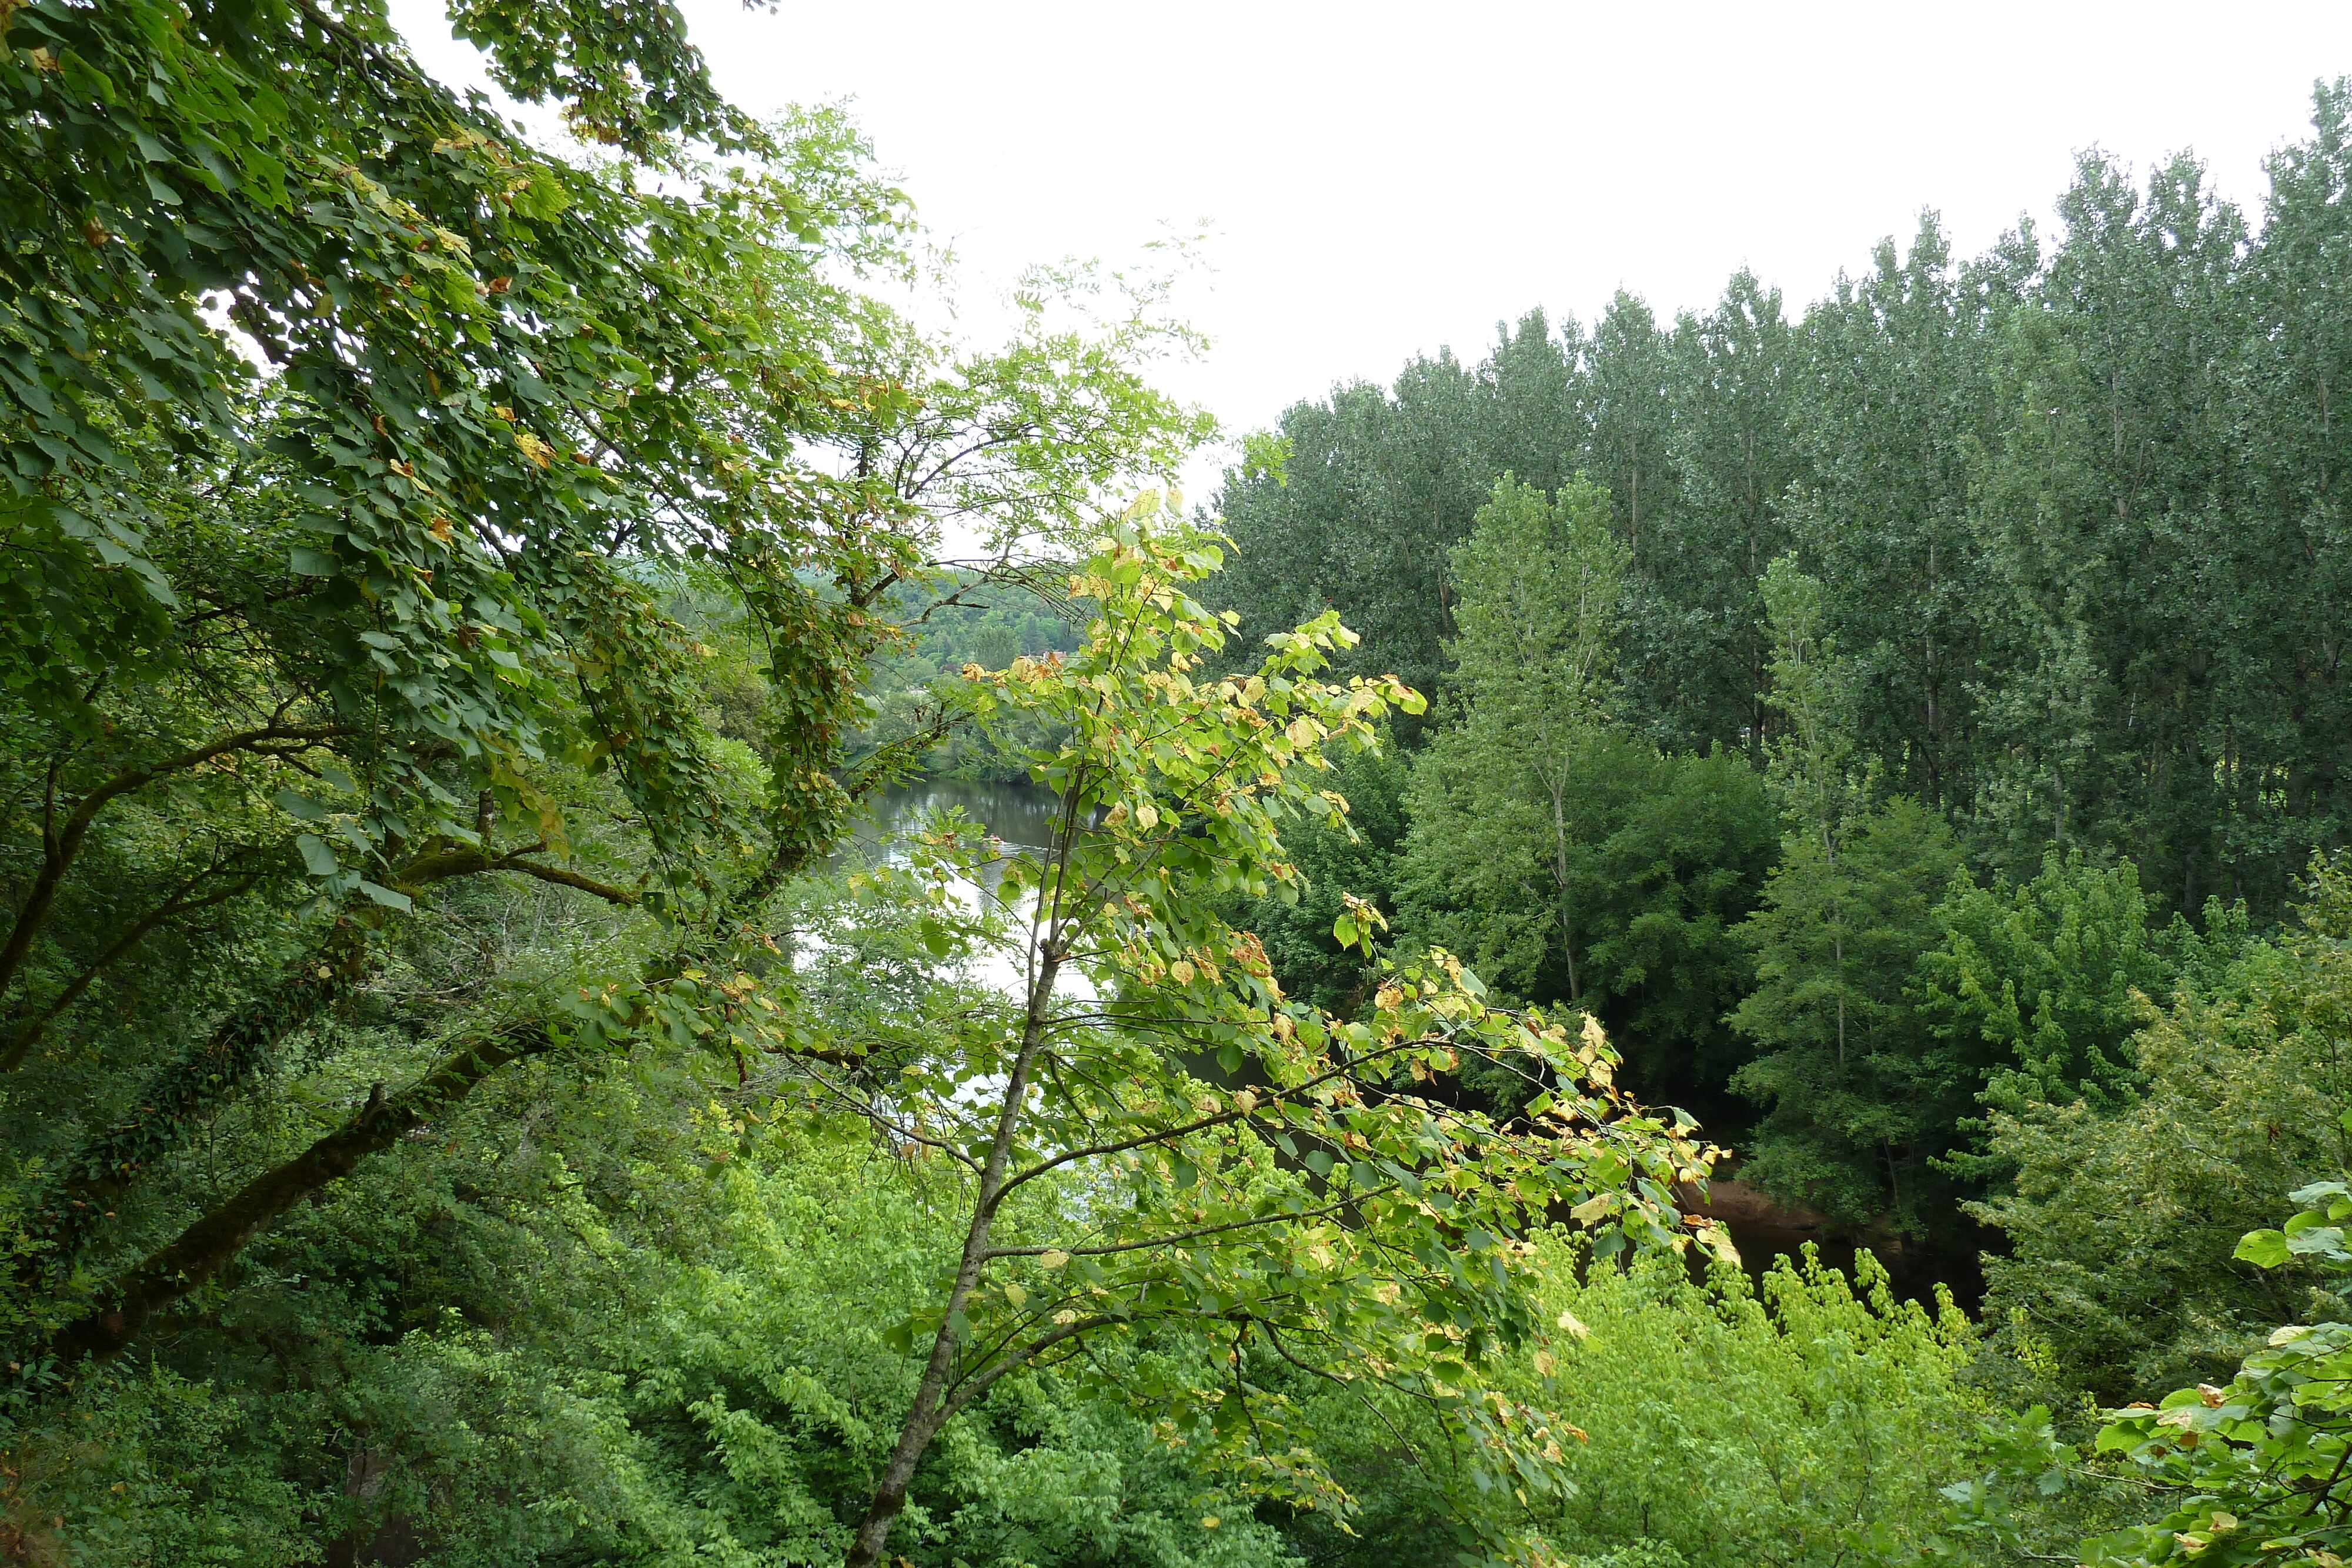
[{"x": 1021, "y": 814}]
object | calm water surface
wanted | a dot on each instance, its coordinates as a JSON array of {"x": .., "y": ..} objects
[{"x": 1021, "y": 814}]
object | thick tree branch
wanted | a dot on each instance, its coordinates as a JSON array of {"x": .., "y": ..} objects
[
  {"x": 453, "y": 860},
  {"x": 205, "y": 1247}
]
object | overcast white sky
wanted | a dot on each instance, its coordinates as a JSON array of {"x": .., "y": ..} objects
[{"x": 1382, "y": 180}]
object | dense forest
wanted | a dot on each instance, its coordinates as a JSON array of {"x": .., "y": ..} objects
[{"x": 470, "y": 1099}]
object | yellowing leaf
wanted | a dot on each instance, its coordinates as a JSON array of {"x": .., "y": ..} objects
[
  {"x": 1574, "y": 1325},
  {"x": 1054, "y": 1257}
]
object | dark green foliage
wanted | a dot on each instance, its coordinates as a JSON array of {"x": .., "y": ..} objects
[
  {"x": 1358, "y": 858},
  {"x": 1667, "y": 855},
  {"x": 1841, "y": 1064}
]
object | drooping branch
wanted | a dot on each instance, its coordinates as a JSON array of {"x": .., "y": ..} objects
[
  {"x": 181, "y": 1090},
  {"x": 61, "y": 844},
  {"x": 442, "y": 864},
  {"x": 29, "y": 1034},
  {"x": 178, "y": 1092}
]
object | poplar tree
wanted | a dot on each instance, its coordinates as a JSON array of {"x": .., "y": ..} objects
[
  {"x": 1843, "y": 921},
  {"x": 1541, "y": 578}
]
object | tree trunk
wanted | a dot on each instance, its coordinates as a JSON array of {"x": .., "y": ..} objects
[
  {"x": 1559, "y": 880},
  {"x": 928, "y": 1414},
  {"x": 1837, "y": 950}
]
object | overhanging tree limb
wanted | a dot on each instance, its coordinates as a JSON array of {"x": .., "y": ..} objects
[{"x": 205, "y": 1247}]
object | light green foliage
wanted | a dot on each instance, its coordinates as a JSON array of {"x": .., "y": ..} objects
[
  {"x": 766, "y": 1375},
  {"x": 1311, "y": 1200},
  {"x": 2122, "y": 1226},
  {"x": 1811, "y": 760},
  {"x": 2254, "y": 1469},
  {"x": 2037, "y": 990},
  {"x": 1539, "y": 579},
  {"x": 654, "y": 1333},
  {"x": 1811, "y": 1422},
  {"x": 1818, "y": 1415}
]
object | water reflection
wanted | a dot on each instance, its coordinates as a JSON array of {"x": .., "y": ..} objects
[{"x": 1022, "y": 816}]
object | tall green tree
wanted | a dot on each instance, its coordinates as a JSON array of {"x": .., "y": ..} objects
[
  {"x": 1628, "y": 391},
  {"x": 1706, "y": 649},
  {"x": 2281, "y": 551},
  {"x": 1316, "y": 1204},
  {"x": 1542, "y": 578},
  {"x": 1891, "y": 365},
  {"x": 1571, "y": 858},
  {"x": 2106, "y": 478},
  {"x": 1844, "y": 918}
]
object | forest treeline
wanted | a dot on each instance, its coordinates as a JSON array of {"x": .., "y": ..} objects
[
  {"x": 464, "y": 1102},
  {"x": 2074, "y": 505},
  {"x": 1963, "y": 658}
]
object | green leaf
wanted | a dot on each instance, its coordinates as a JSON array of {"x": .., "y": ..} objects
[
  {"x": 307, "y": 562},
  {"x": 2263, "y": 1248},
  {"x": 300, "y": 807},
  {"x": 316, "y": 855},
  {"x": 386, "y": 896}
]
